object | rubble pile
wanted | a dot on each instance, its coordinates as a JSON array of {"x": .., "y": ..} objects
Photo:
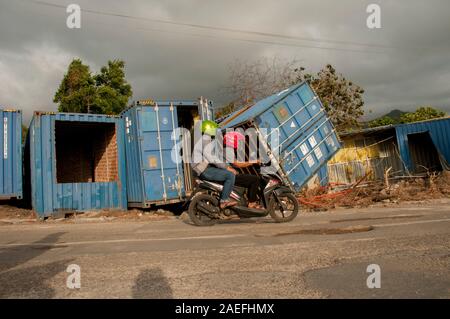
[{"x": 360, "y": 194}]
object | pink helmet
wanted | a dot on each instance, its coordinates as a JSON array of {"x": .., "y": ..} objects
[{"x": 232, "y": 139}]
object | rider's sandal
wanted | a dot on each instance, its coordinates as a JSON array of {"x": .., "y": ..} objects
[
  {"x": 255, "y": 206},
  {"x": 226, "y": 204}
]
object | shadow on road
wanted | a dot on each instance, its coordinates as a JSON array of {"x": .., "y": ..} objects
[
  {"x": 14, "y": 256},
  {"x": 152, "y": 284},
  {"x": 29, "y": 282}
]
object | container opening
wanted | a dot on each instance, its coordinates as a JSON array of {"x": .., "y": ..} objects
[
  {"x": 187, "y": 116},
  {"x": 424, "y": 153},
  {"x": 85, "y": 152}
]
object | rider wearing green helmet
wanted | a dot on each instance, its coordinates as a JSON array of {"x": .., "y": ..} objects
[
  {"x": 209, "y": 127},
  {"x": 211, "y": 168}
]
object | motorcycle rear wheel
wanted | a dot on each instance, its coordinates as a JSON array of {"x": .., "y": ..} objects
[
  {"x": 197, "y": 216},
  {"x": 287, "y": 202}
]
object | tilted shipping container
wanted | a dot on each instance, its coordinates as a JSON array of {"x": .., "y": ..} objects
[
  {"x": 77, "y": 162},
  {"x": 155, "y": 174},
  {"x": 11, "y": 161},
  {"x": 306, "y": 137}
]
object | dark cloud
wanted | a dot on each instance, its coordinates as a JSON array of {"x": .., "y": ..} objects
[{"x": 408, "y": 66}]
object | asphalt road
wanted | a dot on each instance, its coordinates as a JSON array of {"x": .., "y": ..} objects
[{"x": 311, "y": 257}]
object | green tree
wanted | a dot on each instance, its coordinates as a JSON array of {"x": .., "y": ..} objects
[
  {"x": 382, "y": 121},
  {"x": 113, "y": 91},
  {"x": 421, "y": 114},
  {"x": 103, "y": 93},
  {"x": 77, "y": 91},
  {"x": 341, "y": 98}
]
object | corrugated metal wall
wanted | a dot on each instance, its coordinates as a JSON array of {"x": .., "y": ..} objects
[
  {"x": 50, "y": 196},
  {"x": 353, "y": 162},
  {"x": 350, "y": 172},
  {"x": 11, "y": 160},
  {"x": 418, "y": 147},
  {"x": 153, "y": 175},
  {"x": 135, "y": 181}
]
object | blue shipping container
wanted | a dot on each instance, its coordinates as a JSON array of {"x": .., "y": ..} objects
[
  {"x": 306, "y": 137},
  {"x": 77, "y": 162},
  {"x": 437, "y": 129},
  {"x": 11, "y": 161},
  {"x": 155, "y": 174}
]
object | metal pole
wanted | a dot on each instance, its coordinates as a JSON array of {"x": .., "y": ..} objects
[
  {"x": 176, "y": 152},
  {"x": 160, "y": 152}
]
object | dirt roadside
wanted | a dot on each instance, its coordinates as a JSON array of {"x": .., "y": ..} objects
[{"x": 414, "y": 192}]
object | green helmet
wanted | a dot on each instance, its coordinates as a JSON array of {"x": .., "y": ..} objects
[{"x": 209, "y": 127}]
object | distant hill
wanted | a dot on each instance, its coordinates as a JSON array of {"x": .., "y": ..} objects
[{"x": 394, "y": 114}]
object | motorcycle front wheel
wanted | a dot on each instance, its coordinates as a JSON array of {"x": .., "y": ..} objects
[
  {"x": 284, "y": 208},
  {"x": 199, "y": 202}
]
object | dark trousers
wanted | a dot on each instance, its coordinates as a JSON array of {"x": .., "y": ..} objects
[{"x": 251, "y": 182}]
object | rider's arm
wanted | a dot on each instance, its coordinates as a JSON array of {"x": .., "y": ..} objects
[
  {"x": 245, "y": 164},
  {"x": 242, "y": 164}
]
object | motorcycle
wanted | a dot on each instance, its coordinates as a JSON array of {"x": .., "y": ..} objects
[{"x": 278, "y": 201}]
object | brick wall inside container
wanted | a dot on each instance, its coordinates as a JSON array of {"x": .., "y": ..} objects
[
  {"x": 86, "y": 152},
  {"x": 105, "y": 157}
]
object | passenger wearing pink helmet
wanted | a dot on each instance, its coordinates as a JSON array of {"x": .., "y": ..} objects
[{"x": 232, "y": 140}]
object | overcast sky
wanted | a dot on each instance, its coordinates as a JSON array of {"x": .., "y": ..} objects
[{"x": 403, "y": 65}]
